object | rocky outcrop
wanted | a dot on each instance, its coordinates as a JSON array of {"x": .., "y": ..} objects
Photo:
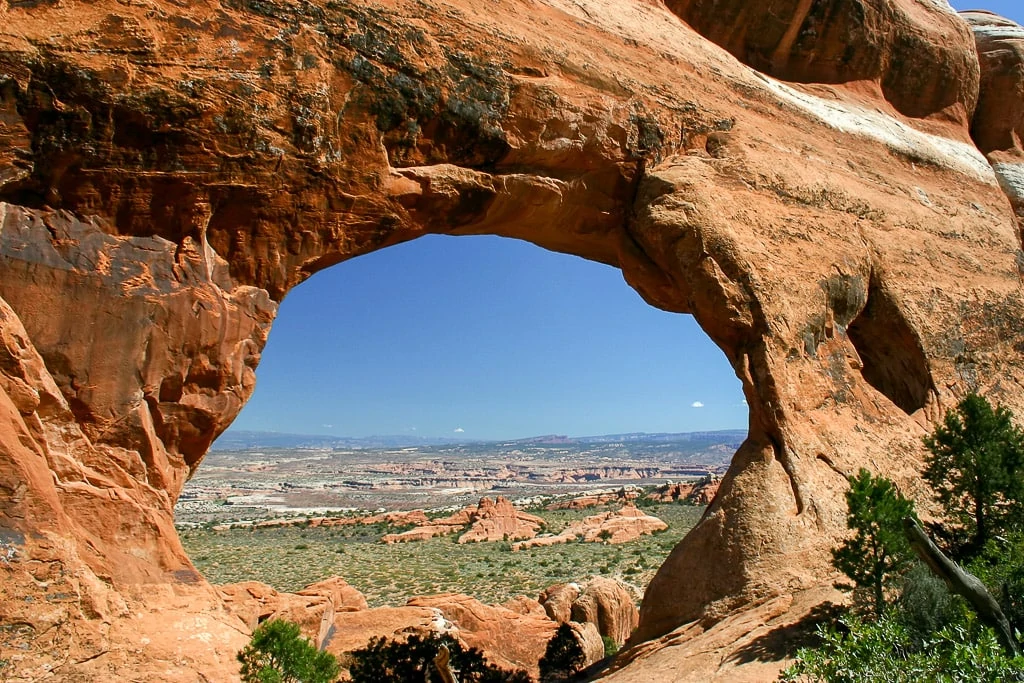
[
  {"x": 916, "y": 55},
  {"x": 558, "y": 599},
  {"x": 700, "y": 492},
  {"x": 605, "y": 603},
  {"x": 608, "y": 605},
  {"x": 510, "y": 639},
  {"x": 170, "y": 170},
  {"x": 499, "y": 520},
  {"x": 621, "y": 526},
  {"x": 593, "y": 500},
  {"x": 420, "y": 533},
  {"x": 998, "y": 124}
]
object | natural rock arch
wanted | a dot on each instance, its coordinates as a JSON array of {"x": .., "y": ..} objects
[{"x": 169, "y": 173}]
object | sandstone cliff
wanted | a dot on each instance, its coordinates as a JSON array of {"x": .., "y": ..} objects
[{"x": 169, "y": 170}]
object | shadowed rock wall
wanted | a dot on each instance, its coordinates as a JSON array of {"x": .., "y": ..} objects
[{"x": 168, "y": 173}]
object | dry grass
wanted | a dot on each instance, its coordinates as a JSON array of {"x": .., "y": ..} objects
[{"x": 291, "y": 558}]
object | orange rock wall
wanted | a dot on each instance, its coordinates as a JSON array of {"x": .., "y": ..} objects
[{"x": 169, "y": 171}]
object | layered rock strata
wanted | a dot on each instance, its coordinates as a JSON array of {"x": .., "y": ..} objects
[{"x": 170, "y": 171}]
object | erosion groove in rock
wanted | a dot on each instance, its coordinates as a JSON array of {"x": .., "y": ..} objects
[{"x": 169, "y": 172}]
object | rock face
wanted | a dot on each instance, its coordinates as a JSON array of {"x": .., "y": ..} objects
[
  {"x": 605, "y": 603},
  {"x": 998, "y": 124},
  {"x": 511, "y": 639},
  {"x": 170, "y": 170},
  {"x": 609, "y": 606},
  {"x": 916, "y": 53}
]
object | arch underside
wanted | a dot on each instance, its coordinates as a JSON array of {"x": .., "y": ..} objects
[{"x": 155, "y": 213}]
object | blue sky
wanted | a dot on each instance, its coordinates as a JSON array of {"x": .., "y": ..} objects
[{"x": 489, "y": 338}]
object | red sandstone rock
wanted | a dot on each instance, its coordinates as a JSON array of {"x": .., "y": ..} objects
[
  {"x": 509, "y": 638},
  {"x": 169, "y": 172},
  {"x": 420, "y": 533},
  {"x": 704, "y": 491},
  {"x": 998, "y": 124},
  {"x": 499, "y": 520},
  {"x": 557, "y": 601},
  {"x": 582, "y": 502},
  {"x": 622, "y": 526},
  {"x": 871, "y": 41},
  {"x": 609, "y": 606}
]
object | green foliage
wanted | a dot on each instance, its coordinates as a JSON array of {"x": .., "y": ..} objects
[
  {"x": 563, "y": 656},
  {"x": 878, "y": 552},
  {"x": 883, "y": 651},
  {"x": 610, "y": 646},
  {"x": 277, "y": 653},
  {"x": 395, "y": 661},
  {"x": 925, "y": 605},
  {"x": 1000, "y": 566},
  {"x": 975, "y": 465}
]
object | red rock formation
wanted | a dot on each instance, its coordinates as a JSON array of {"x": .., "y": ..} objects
[
  {"x": 420, "y": 533},
  {"x": 499, "y": 520},
  {"x": 877, "y": 42},
  {"x": 609, "y": 606},
  {"x": 622, "y": 526},
  {"x": 511, "y": 639},
  {"x": 557, "y": 601},
  {"x": 583, "y": 502},
  {"x": 704, "y": 491},
  {"x": 170, "y": 170},
  {"x": 998, "y": 124}
]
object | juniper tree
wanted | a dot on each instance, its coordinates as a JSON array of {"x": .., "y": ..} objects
[
  {"x": 878, "y": 552},
  {"x": 975, "y": 467}
]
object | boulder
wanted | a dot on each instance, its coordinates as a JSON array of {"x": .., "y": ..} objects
[
  {"x": 917, "y": 55},
  {"x": 608, "y": 605},
  {"x": 558, "y": 599},
  {"x": 509, "y": 638}
]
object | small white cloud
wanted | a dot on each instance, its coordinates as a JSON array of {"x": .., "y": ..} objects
[
  {"x": 459, "y": 430},
  {"x": 696, "y": 404},
  {"x": 328, "y": 426}
]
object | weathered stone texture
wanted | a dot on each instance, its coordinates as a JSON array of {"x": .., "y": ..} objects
[{"x": 168, "y": 171}]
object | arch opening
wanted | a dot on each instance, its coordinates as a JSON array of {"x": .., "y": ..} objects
[{"x": 492, "y": 350}]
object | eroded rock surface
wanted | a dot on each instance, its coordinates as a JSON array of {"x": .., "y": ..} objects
[
  {"x": 998, "y": 124},
  {"x": 170, "y": 170}
]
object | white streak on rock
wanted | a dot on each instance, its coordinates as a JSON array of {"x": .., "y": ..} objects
[{"x": 898, "y": 136}]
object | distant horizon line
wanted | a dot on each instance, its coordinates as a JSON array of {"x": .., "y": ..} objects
[{"x": 462, "y": 437}]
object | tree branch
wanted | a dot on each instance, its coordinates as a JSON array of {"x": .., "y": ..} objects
[{"x": 962, "y": 583}]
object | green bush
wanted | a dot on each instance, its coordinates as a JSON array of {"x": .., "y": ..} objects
[
  {"x": 883, "y": 651},
  {"x": 563, "y": 656},
  {"x": 611, "y": 648},
  {"x": 277, "y": 653},
  {"x": 401, "y": 661}
]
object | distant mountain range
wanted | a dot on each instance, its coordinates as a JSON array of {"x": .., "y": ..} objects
[{"x": 237, "y": 440}]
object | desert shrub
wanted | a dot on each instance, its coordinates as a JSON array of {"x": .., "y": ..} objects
[
  {"x": 563, "y": 656},
  {"x": 925, "y": 606},
  {"x": 277, "y": 653},
  {"x": 610, "y": 646},
  {"x": 400, "y": 661},
  {"x": 883, "y": 651}
]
